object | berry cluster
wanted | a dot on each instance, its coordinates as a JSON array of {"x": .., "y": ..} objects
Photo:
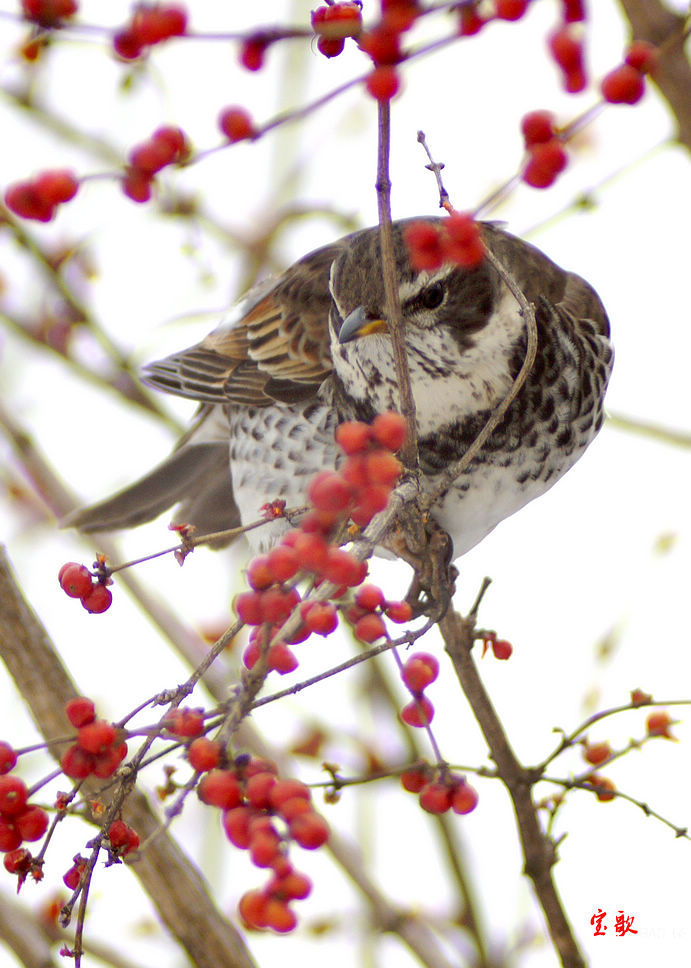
[
  {"x": 383, "y": 45},
  {"x": 457, "y": 239},
  {"x": 166, "y": 146},
  {"x": 151, "y": 24},
  {"x": 48, "y": 13},
  {"x": 334, "y": 24},
  {"x": 39, "y": 197},
  {"x": 439, "y": 793},
  {"x": 546, "y": 154},
  {"x": 566, "y": 47},
  {"x": 366, "y": 613},
  {"x": 626, "y": 83},
  {"x": 122, "y": 838},
  {"x": 77, "y": 581},
  {"x": 356, "y": 492},
  {"x": 419, "y": 671},
  {"x": 19, "y": 820},
  {"x": 264, "y": 815},
  {"x": 99, "y": 749}
]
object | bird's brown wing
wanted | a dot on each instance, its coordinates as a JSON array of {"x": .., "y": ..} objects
[{"x": 274, "y": 348}]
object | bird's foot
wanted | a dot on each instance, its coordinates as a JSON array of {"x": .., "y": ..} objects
[{"x": 427, "y": 549}]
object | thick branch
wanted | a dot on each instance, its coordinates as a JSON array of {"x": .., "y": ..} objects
[
  {"x": 650, "y": 20},
  {"x": 169, "y": 877},
  {"x": 538, "y": 849}
]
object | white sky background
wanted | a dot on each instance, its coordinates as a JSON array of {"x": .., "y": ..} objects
[{"x": 566, "y": 571}]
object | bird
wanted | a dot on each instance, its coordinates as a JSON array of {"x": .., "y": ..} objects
[{"x": 310, "y": 348}]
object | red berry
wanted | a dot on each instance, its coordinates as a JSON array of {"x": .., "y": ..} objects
[
  {"x": 537, "y": 127},
  {"x": 252, "y": 53},
  {"x": 464, "y": 798},
  {"x": 107, "y": 761},
  {"x": 383, "y": 467},
  {"x": 470, "y": 22},
  {"x": 383, "y": 83},
  {"x": 126, "y": 44},
  {"x": 502, "y": 649},
  {"x": 23, "y": 199},
  {"x": 175, "y": 139},
  {"x": 369, "y": 597},
  {"x": 623, "y": 85},
  {"x": 284, "y": 790},
  {"x": 605, "y": 788},
  {"x": 414, "y": 780},
  {"x": 353, "y": 436},
  {"x": 18, "y": 861},
  {"x": 80, "y": 711},
  {"x": 283, "y": 563},
  {"x": 510, "y": 9},
  {"x": 236, "y": 823},
  {"x": 281, "y": 659},
  {"x": 419, "y": 671},
  {"x": 291, "y": 886},
  {"x": 155, "y": 23},
  {"x": 98, "y": 600},
  {"x": 371, "y": 502},
  {"x": 276, "y": 605},
  {"x": 13, "y": 796},
  {"x": 328, "y": 491},
  {"x": 337, "y": 21},
  {"x": 320, "y": 617},
  {"x": 546, "y": 160},
  {"x": 312, "y": 551},
  {"x": 342, "y": 568},
  {"x": 236, "y": 124},
  {"x": 259, "y": 573},
  {"x": 278, "y": 916},
  {"x": 8, "y": 757},
  {"x": 573, "y": 11},
  {"x": 399, "y": 612},
  {"x": 204, "y": 754},
  {"x": 252, "y": 908},
  {"x": 418, "y": 713},
  {"x": 642, "y": 56},
  {"x": 74, "y": 875},
  {"x": 383, "y": 46},
  {"x": 48, "y": 13},
  {"x": 136, "y": 184},
  {"x": 59, "y": 185},
  {"x": 463, "y": 244},
  {"x": 76, "y": 763},
  {"x": 258, "y": 789},
  {"x": 309, "y": 830},
  {"x": 330, "y": 46},
  {"x": 10, "y": 838},
  {"x": 97, "y": 736},
  {"x": 597, "y": 753},
  {"x": 118, "y": 834},
  {"x": 369, "y": 628},
  {"x": 566, "y": 49},
  {"x": 658, "y": 724},
  {"x": 389, "y": 429},
  {"x": 186, "y": 722},
  {"x": 435, "y": 797},
  {"x": 75, "y": 580},
  {"x": 264, "y": 849},
  {"x": 151, "y": 156},
  {"x": 220, "y": 788},
  {"x": 248, "y": 607},
  {"x": 32, "y": 823},
  {"x": 424, "y": 246}
]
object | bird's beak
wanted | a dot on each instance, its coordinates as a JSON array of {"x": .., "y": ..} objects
[{"x": 360, "y": 323}]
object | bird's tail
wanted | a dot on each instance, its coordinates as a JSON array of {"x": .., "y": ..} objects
[{"x": 197, "y": 477}]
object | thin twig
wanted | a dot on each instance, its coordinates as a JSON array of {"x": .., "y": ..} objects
[{"x": 390, "y": 278}]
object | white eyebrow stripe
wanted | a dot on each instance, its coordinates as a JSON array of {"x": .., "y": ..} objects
[{"x": 412, "y": 288}]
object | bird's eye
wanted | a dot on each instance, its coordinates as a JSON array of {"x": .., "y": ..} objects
[{"x": 432, "y": 297}]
